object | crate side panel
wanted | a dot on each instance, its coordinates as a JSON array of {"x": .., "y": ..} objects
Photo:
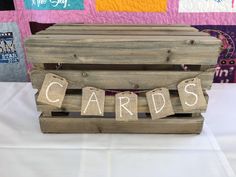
[{"x": 91, "y": 125}]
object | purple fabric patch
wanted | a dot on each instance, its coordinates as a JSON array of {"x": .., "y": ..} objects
[{"x": 225, "y": 70}]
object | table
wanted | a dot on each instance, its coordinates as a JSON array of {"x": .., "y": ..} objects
[{"x": 26, "y": 152}]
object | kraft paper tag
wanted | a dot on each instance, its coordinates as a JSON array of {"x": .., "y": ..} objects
[
  {"x": 126, "y": 106},
  {"x": 191, "y": 95},
  {"x": 53, "y": 90},
  {"x": 93, "y": 100},
  {"x": 159, "y": 103}
]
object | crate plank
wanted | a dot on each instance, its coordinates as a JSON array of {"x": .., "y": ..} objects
[
  {"x": 128, "y": 43},
  {"x": 122, "y": 50},
  {"x": 122, "y": 25},
  {"x": 78, "y": 79},
  {"x": 181, "y": 30},
  {"x": 131, "y": 33},
  {"x": 102, "y": 125},
  {"x": 123, "y": 29},
  {"x": 72, "y": 103},
  {"x": 142, "y": 50},
  {"x": 76, "y": 55},
  {"x": 70, "y": 39},
  {"x": 146, "y": 28},
  {"x": 74, "y": 58}
]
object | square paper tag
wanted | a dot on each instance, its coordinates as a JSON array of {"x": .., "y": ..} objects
[
  {"x": 53, "y": 90},
  {"x": 191, "y": 95},
  {"x": 159, "y": 103},
  {"x": 93, "y": 100},
  {"x": 126, "y": 104}
]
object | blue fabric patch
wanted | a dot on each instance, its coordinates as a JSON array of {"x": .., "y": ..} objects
[
  {"x": 7, "y": 48},
  {"x": 54, "y": 4}
]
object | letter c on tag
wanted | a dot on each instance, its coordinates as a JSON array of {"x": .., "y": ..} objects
[{"x": 47, "y": 90}]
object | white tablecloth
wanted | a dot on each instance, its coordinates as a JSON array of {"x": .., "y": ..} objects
[{"x": 26, "y": 152}]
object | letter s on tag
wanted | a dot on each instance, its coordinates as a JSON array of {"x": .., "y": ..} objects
[{"x": 191, "y": 95}]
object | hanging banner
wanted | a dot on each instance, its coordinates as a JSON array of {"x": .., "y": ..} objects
[
  {"x": 54, "y": 4},
  {"x": 191, "y": 95},
  {"x": 53, "y": 90},
  {"x": 159, "y": 103},
  {"x": 93, "y": 100},
  {"x": 126, "y": 104}
]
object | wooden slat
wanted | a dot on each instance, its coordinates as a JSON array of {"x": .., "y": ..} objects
[
  {"x": 123, "y": 79},
  {"x": 72, "y": 103},
  {"x": 108, "y": 55},
  {"x": 178, "y": 59},
  {"x": 120, "y": 38},
  {"x": 167, "y": 30},
  {"x": 118, "y": 44},
  {"x": 102, "y": 125},
  {"x": 122, "y": 29},
  {"x": 131, "y": 33},
  {"x": 126, "y": 27}
]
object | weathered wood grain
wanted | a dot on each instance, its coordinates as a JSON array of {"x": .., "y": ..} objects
[
  {"x": 123, "y": 79},
  {"x": 105, "y": 29},
  {"x": 110, "y": 49},
  {"x": 125, "y": 27},
  {"x": 72, "y": 103},
  {"x": 102, "y": 125},
  {"x": 166, "y": 30},
  {"x": 120, "y": 38},
  {"x": 130, "y": 33},
  {"x": 107, "y": 55}
]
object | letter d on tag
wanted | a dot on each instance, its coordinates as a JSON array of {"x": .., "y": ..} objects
[
  {"x": 191, "y": 95},
  {"x": 126, "y": 106},
  {"x": 53, "y": 90},
  {"x": 159, "y": 103}
]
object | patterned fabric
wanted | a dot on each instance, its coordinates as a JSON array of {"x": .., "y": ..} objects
[
  {"x": 55, "y": 4},
  {"x": 12, "y": 60},
  {"x": 225, "y": 70},
  {"x": 220, "y": 13}
]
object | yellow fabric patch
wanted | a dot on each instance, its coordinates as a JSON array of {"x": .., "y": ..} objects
[{"x": 132, "y": 5}]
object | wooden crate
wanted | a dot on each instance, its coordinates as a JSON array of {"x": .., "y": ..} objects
[{"x": 121, "y": 57}]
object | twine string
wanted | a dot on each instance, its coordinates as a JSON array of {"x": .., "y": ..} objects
[{"x": 170, "y": 84}]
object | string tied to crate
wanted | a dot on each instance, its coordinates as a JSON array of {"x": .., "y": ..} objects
[{"x": 208, "y": 70}]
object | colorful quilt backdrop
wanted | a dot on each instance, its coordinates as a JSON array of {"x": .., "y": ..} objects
[{"x": 215, "y": 17}]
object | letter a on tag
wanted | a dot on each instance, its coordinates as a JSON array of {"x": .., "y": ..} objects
[
  {"x": 93, "y": 100},
  {"x": 53, "y": 90},
  {"x": 159, "y": 103},
  {"x": 191, "y": 95},
  {"x": 126, "y": 106}
]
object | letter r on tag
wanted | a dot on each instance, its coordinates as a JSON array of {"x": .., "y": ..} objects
[{"x": 126, "y": 106}]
